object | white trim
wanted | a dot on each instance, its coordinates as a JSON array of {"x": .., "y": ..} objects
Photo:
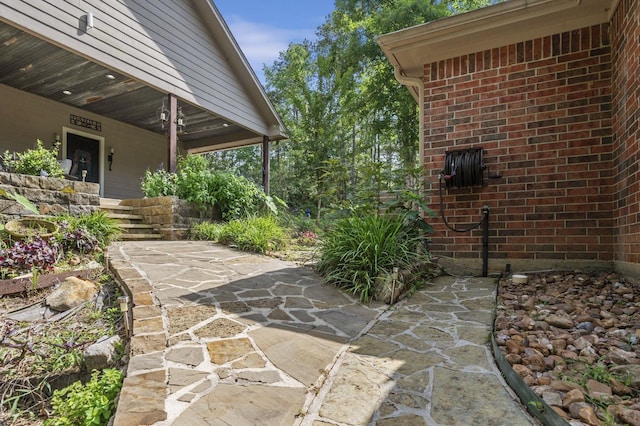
[{"x": 100, "y": 139}]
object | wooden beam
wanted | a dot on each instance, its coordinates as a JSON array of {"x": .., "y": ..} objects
[
  {"x": 172, "y": 134},
  {"x": 265, "y": 164}
]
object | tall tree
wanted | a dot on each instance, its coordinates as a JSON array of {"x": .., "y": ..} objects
[{"x": 350, "y": 122}]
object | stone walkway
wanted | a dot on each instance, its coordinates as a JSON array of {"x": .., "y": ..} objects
[{"x": 228, "y": 338}]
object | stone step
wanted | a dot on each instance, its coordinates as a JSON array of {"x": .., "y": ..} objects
[
  {"x": 131, "y": 225},
  {"x": 126, "y": 216},
  {"x": 115, "y": 208},
  {"x": 140, "y": 236},
  {"x": 136, "y": 226}
]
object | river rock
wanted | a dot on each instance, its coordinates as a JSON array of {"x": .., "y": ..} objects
[{"x": 560, "y": 320}]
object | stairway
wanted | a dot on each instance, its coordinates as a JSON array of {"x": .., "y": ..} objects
[{"x": 132, "y": 225}]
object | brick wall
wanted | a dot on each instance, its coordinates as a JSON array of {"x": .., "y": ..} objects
[
  {"x": 541, "y": 110},
  {"x": 625, "y": 43}
]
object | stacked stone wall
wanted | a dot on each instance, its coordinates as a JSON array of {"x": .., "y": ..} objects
[
  {"x": 172, "y": 216},
  {"x": 51, "y": 196}
]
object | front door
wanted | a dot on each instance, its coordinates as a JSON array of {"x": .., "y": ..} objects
[{"x": 84, "y": 154}]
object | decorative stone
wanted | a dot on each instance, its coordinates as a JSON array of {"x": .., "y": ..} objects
[
  {"x": 560, "y": 320},
  {"x": 573, "y": 396},
  {"x": 102, "y": 354},
  {"x": 72, "y": 292},
  {"x": 223, "y": 351}
]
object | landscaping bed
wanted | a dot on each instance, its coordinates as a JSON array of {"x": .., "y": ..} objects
[
  {"x": 38, "y": 356},
  {"x": 573, "y": 338}
]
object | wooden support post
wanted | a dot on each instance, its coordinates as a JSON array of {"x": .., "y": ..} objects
[
  {"x": 265, "y": 164},
  {"x": 172, "y": 134}
]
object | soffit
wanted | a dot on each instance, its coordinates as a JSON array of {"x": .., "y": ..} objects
[{"x": 494, "y": 26}]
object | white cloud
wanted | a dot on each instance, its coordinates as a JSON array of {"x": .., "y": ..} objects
[{"x": 263, "y": 43}]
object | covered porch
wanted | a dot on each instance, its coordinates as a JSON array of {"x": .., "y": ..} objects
[{"x": 121, "y": 93}]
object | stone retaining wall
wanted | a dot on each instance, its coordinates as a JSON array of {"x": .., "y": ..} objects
[
  {"x": 173, "y": 217},
  {"x": 50, "y": 195}
]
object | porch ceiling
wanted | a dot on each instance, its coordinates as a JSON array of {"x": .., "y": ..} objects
[{"x": 42, "y": 68}]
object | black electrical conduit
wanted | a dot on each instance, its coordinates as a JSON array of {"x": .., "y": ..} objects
[{"x": 464, "y": 169}]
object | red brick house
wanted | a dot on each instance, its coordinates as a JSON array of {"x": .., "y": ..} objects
[{"x": 549, "y": 91}]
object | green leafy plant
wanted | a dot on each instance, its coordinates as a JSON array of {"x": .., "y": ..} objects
[
  {"x": 86, "y": 404},
  {"x": 35, "y": 161},
  {"x": 159, "y": 183},
  {"x": 260, "y": 234},
  {"x": 206, "y": 231},
  {"x": 22, "y": 200},
  {"x": 97, "y": 224},
  {"x": 360, "y": 250},
  {"x": 195, "y": 181}
]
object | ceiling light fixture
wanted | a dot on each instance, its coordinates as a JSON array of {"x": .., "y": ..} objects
[
  {"x": 66, "y": 92},
  {"x": 110, "y": 77}
]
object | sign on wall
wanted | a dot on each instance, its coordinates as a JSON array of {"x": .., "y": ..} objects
[{"x": 85, "y": 122}]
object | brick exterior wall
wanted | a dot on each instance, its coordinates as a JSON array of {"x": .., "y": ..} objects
[
  {"x": 626, "y": 116},
  {"x": 541, "y": 110}
]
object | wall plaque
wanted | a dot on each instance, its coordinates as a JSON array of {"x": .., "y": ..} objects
[{"x": 85, "y": 122}]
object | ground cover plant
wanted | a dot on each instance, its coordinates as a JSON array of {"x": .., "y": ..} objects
[{"x": 38, "y": 357}]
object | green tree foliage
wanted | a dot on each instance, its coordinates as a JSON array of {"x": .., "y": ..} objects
[{"x": 351, "y": 125}]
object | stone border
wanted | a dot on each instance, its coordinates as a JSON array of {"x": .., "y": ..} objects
[{"x": 138, "y": 402}]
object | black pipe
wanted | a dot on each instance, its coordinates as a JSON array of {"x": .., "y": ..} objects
[{"x": 485, "y": 241}]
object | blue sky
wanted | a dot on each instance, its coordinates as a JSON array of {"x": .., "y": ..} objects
[{"x": 264, "y": 28}]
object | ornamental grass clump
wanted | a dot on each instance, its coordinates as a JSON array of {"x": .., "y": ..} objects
[{"x": 361, "y": 252}]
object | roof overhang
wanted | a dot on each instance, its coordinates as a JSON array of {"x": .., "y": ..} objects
[
  {"x": 58, "y": 73},
  {"x": 502, "y": 24}
]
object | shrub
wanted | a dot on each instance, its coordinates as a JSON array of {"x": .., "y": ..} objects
[
  {"x": 158, "y": 184},
  {"x": 194, "y": 181},
  {"x": 360, "y": 251},
  {"x": 86, "y": 404},
  {"x": 35, "y": 161},
  {"x": 256, "y": 234}
]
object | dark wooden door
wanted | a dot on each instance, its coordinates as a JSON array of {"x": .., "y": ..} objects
[{"x": 84, "y": 154}]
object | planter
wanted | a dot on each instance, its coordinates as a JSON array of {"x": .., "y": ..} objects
[{"x": 31, "y": 227}]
